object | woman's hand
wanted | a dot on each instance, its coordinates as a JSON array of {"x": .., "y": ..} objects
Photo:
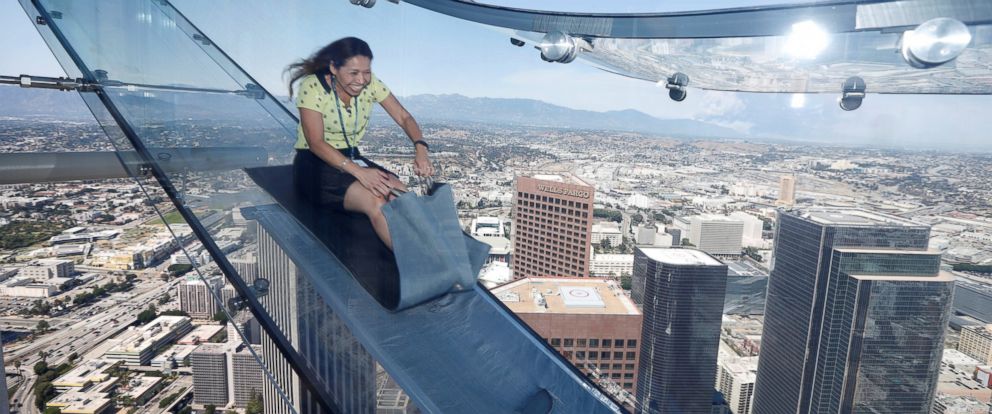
[
  {"x": 374, "y": 180},
  {"x": 422, "y": 164}
]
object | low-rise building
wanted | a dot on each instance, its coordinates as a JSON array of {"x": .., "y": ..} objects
[{"x": 138, "y": 346}]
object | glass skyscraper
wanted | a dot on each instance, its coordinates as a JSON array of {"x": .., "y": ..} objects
[
  {"x": 680, "y": 336},
  {"x": 855, "y": 316}
]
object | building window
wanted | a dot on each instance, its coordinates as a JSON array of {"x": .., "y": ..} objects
[
  {"x": 604, "y": 355},
  {"x": 628, "y": 366},
  {"x": 615, "y": 375},
  {"x": 630, "y": 356},
  {"x": 617, "y": 367},
  {"x": 580, "y": 355},
  {"x": 628, "y": 385},
  {"x": 618, "y": 342},
  {"x": 555, "y": 341},
  {"x": 628, "y": 375},
  {"x": 580, "y": 343},
  {"x": 618, "y": 356},
  {"x": 607, "y": 343},
  {"x": 631, "y": 343},
  {"x": 594, "y": 355},
  {"x": 569, "y": 342}
]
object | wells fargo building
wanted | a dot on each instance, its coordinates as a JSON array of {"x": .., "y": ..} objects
[{"x": 552, "y": 226}]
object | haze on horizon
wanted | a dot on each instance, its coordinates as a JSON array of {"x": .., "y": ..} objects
[{"x": 414, "y": 50}]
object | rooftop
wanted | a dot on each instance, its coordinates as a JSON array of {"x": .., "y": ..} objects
[
  {"x": 558, "y": 177},
  {"x": 940, "y": 277},
  {"x": 566, "y": 296},
  {"x": 855, "y": 217},
  {"x": 685, "y": 257}
]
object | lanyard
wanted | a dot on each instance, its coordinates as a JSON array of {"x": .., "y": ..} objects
[{"x": 351, "y": 151}]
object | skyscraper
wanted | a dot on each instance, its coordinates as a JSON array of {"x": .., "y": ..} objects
[
  {"x": 787, "y": 190},
  {"x": 855, "y": 315},
  {"x": 210, "y": 385},
  {"x": 715, "y": 234},
  {"x": 319, "y": 335},
  {"x": 552, "y": 227},
  {"x": 247, "y": 375},
  {"x": 196, "y": 297},
  {"x": 680, "y": 336}
]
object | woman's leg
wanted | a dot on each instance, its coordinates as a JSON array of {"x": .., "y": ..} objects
[{"x": 360, "y": 199}]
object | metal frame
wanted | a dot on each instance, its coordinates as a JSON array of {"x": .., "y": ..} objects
[
  {"x": 307, "y": 377},
  {"x": 833, "y": 16}
]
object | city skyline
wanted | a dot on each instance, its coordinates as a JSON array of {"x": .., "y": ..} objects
[
  {"x": 857, "y": 272},
  {"x": 415, "y": 63}
]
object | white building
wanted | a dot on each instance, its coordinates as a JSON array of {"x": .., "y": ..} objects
[
  {"x": 753, "y": 227},
  {"x": 607, "y": 230},
  {"x": 735, "y": 380},
  {"x": 604, "y": 265},
  {"x": 137, "y": 346},
  {"x": 499, "y": 248},
  {"x": 196, "y": 297},
  {"x": 716, "y": 234},
  {"x": 47, "y": 269},
  {"x": 487, "y": 226}
]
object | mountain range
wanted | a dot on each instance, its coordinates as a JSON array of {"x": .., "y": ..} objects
[{"x": 18, "y": 102}]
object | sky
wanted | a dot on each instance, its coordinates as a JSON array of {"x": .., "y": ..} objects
[{"x": 418, "y": 52}]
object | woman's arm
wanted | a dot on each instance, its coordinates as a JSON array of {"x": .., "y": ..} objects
[
  {"x": 373, "y": 179},
  {"x": 421, "y": 163}
]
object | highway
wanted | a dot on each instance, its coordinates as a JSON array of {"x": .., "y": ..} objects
[{"x": 85, "y": 332}]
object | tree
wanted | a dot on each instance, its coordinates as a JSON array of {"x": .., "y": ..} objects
[
  {"x": 221, "y": 317},
  {"x": 53, "y": 410},
  {"x": 605, "y": 245},
  {"x": 210, "y": 409},
  {"x": 636, "y": 219},
  {"x": 164, "y": 299},
  {"x": 42, "y": 326},
  {"x": 40, "y": 368},
  {"x": 625, "y": 281},
  {"x": 685, "y": 242},
  {"x": 254, "y": 404}
]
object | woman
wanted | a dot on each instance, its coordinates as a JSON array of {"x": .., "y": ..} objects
[{"x": 337, "y": 90}]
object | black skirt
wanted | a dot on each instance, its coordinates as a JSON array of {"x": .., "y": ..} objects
[{"x": 323, "y": 184}]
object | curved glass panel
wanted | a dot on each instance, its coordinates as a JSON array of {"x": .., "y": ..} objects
[
  {"x": 772, "y": 64},
  {"x": 636, "y": 6}
]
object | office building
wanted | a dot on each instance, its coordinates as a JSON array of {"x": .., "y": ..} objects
[
  {"x": 735, "y": 380},
  {"x": 612, "y": 265},
  {"x": 4, "y": 398},
  {"x": 854, "y": 317},
  {"x": 683, "y": 305},
  {"x": 48, "y": 269},
  {"x": 553, "y": 226},
  {"x": 304, "y": 318},
  {"x": 787, "y": 191},
  {"x": 196, "y": 297},
  {"x": 487, "y": 226},
  {"x": 976, "y": 342},
  {"x": 138, "y": 345},
  {"x": 246, "y": 374},
  {"x": 210, "y": 377},
  {"x": 973, "y": 299},
  {"x": 607, "y": 230},
  {"x": 589, "y": 321},
  {"x": 714, "y": 234}
]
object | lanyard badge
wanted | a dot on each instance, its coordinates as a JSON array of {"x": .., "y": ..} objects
[{"x": 337, "y": 103}]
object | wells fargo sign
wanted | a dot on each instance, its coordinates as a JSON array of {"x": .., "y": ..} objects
[{"x": 563, "y": 191}]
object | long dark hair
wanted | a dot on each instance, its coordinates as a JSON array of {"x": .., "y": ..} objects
[{"x": 336, "y": 53}]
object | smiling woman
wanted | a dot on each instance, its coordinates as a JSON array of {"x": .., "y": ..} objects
[{"x": 337, "y": 90}]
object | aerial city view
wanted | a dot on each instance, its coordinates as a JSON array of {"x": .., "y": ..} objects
[{"x": 738, "y": 252}]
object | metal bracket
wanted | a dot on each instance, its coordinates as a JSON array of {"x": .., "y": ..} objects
[
  {"x": 853, "y": 93},
  {"x": 47, "y": 82},
  {"x": 364, "y": 3},
  {"x": 677, "y": 86}
]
